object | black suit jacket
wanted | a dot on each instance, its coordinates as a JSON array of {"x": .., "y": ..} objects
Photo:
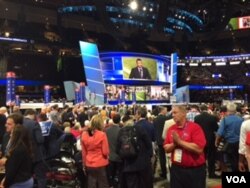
[
  {"x": 209, "y": 125},
  {"x": 6, "y": 138},
  {"x": 148, "y": 127},
  {"x": 37, "y": 138},
  {"x": 159, "y": 122},
  {"x": 136, "y": 74},
  {"x": 2, "y": 126}
]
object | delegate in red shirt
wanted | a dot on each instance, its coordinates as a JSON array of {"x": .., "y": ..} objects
[{"x": 185, "y": 140}]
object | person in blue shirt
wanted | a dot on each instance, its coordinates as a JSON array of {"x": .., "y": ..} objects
[{"x": 229, "y": 130}]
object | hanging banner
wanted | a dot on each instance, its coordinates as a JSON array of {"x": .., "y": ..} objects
[
  {"x": 123, "y": 95},
  {"x": 17, "y": 101},
  {"x": 133, "y": 97},
  {"x": 10, "y": 88},
  {"x": 246, "y": 98},
  {"x": 173, "y": 69},
  {"x": 82, "y": 92},
  {"x": 120, "y": 96},
  {"x": 77, "y": 96},
  {"x": 47, "y": 94},
  {"x": 231, "y": 95},
  {"x": 105, "y": 97}
]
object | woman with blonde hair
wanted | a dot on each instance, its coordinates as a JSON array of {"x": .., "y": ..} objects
[{"x": 95, "y": 151}]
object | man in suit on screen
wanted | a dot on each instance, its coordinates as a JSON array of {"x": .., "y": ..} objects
[{"x": 139, "y": 72}]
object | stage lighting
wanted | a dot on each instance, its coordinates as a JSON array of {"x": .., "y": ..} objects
[
  {"x": 6, "y": 34},
  {"x": 133, "y": 5},
  {"x": 193, "y": 64},
  {"x": 234, "y": 62},
  {"x": 220, "y": 63},
  {"x": 216, "y": 75}
]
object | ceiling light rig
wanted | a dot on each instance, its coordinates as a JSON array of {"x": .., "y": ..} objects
[
  {"x": 142, "y": 14},
  {"x": 133, "y": 5},
  {"x": 6, "y": 30}
]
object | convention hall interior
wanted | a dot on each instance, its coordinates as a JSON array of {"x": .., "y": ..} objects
[
  {"x": 51, "y": 31},
  {"x": 199, "y": 48}
]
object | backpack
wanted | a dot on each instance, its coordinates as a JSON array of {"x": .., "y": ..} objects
[{"x": 129, "y": 146}]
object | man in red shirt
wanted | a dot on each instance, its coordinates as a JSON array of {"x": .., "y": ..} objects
[{"x": 186, "y": 141}]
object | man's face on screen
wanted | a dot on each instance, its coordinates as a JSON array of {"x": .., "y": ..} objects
[{"x": 139, "y": 63}]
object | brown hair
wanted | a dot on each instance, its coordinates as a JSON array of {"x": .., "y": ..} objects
[
  {"x": 17, "y": 118},
  {"x": 20, "y": 137},
  {"x": 138, "y": 59}
]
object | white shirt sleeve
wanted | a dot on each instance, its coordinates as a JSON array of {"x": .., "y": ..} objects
[
  {"x": 167, "y": 125},
  {"x": 243, "y": 130}
]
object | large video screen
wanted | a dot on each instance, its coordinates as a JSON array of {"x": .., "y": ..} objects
[
  {"x": 139, "y": 68},
  {"x": 142, "y": 93},
  {"x": 239, "y": 23},
  {"x": 244, "y": 22},
  {"x": 131, "y": 66}
]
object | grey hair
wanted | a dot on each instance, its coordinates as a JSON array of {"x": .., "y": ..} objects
[{"x": 231, "y": 107}]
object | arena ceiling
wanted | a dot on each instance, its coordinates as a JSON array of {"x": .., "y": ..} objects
[
  {"x": 168, "y": 16},
  {"x": 182, "y": 21}
]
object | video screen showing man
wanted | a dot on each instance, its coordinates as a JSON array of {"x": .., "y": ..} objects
[
  {"x": 139, "y": 72},
  {"x": 246, "y": 22}
]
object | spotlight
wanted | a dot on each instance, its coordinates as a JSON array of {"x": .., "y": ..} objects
[
  {"x": 7, "y": 34},
  {"x": 133, "y": 5},
  {"x": 6, "y": 30}
]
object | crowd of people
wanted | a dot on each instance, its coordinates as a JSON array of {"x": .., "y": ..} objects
[{"x": 120, "y": 145}]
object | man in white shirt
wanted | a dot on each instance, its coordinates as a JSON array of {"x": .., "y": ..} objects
[{"x": 245, "y": 127}]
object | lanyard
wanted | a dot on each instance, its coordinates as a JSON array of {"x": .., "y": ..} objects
[{"x": 184, "y": 130}]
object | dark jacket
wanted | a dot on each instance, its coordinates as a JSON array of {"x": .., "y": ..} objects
[
  {"x": 37, "y": 138},
  {"x": 81, "y": 118},
  {"x": 2, "y": 126},
  {"x": 159, "y": 122},
  {"x": 142, "y": 161},
  {"x": 148, "y": 127},
  {"x": 18, "y": 167},
  {"x": 112, "y": 135},
  {"x": 53, "y": 141},
  {"x": 209, "y": 125},
  {"x": 136, "y": 74},
  {"x": 6, "y": 138}
]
